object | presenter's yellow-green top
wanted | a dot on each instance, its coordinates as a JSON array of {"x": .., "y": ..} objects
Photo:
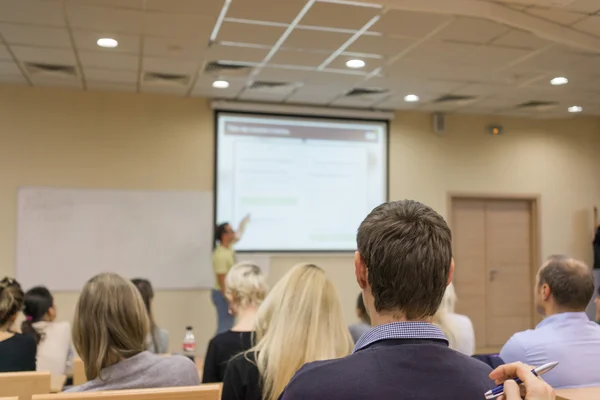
[{"x": 223, "y": 259}]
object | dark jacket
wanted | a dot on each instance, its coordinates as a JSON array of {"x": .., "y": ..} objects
[{"x": 396, "y": 369}]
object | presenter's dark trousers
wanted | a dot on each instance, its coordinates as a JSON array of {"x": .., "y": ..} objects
[{"x": 224, "y": 320}]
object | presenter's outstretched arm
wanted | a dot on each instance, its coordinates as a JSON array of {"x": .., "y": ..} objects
[{"x": 241, "y": 228}]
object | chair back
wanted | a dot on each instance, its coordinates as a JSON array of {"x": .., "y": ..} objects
[
  {"x": 24, "y": 384},
  {"x": 201, "y": 392},
  {"x": 79, "y": 377}
]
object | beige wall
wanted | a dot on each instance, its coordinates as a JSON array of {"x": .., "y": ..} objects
[{"x": 61, "y": 138}]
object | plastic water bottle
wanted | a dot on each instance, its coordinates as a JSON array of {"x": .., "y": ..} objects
[{"x": 189, "y": 343}]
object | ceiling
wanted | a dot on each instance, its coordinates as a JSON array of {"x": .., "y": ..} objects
[{"x": 294, "y": 51}]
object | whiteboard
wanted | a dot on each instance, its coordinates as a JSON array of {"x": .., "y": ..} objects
[{"x": 66, "y": 236}]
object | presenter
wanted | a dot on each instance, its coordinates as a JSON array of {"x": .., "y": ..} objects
[{"x": 223, "y": 258}]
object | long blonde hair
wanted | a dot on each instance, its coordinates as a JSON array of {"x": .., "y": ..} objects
[
  {"x": 245, "y": 286},
  {"x": 441, "y": 316},
  {"x": 300, "y": 321},
  {"x": 110, "y": 324}
]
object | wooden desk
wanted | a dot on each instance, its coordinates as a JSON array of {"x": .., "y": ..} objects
[{"x": 588, "y": 393}]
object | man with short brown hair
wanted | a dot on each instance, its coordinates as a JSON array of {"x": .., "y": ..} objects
[
  {"x": 563, "y": 289},
  {"x": 403, "y": 265}
]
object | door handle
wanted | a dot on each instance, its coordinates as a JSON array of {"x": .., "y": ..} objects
[{"x": 493, "y": 273}]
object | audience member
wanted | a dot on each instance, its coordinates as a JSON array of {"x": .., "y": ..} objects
[
  {"x": 359, "y": 329},
  {"x": 54, "y": 351},
  {"x": 457, "y": 328},
  {"x": 17, "y": 351},
  {"x": 109, "y": 333},
  {"x": 403, "y": 265},
  {"x": 300, "y": 321},
  {"x": 246, "y": 290},
  {"x": 158, "y": 339},
  {"x": 534, "y": 387},
  {"x": 563, "y": 289}
]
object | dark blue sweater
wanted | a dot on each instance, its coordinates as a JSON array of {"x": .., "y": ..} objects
[{"x": 398, "y": 369}]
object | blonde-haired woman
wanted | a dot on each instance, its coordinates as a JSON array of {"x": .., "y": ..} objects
[
  {"x": 109, "y": 333},
  {"x": 300, "y": 321},
  {"x": 457, "y": 328},
  {"x": 246, "y": 289}
]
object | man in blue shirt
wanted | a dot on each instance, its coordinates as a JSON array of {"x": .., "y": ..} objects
[
  {"x": 403, "y": 265},
  {"x": 563, "y": 289}
]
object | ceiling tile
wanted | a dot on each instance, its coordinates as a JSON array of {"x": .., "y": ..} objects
[
  {"x": 332, "y": 78},
  {"x": 110, "y": 87},
  {"x": 209, "y": 8},
  {"x": 9, "y": 68},
  {"x": 589, "y": 25},
  {"x": 480, "y": 89},
  {"x": 298, "y": 58},
  {"x": 281, "y": 74},
  {"x": 561, "y": 17},
  {"x": 86, "y": 40},
  {"x": 127, "y": 4},
  {"x": 69, "y": 82},
  {"x": 359, "y": 101},
  {"x": 36, "y": 12},
  {"x": 407, "y": 85},
  {"x": 521, "y": 39},
  {"x": 104, "y": 60},
  {"x": 472, "y": 30},
  {"x": 235, "y": 53},
  {"x": 316, "y": 40},
  {"x": 188, "y": 48},
  {"x": 409, "y": 24},
  {"x": 183, "y": 26},
  {"x": 13, "y": 79},
  {"x": 585, "y": 6},
  {"x": 113, "y": 76},
  {"x": 104, "y": 19},
  {"x": 343, "y": 16},
  {"x": 383, "y": 45},
  {"x": 315, "y": 94},
  {"x": 164, "y": 89},
  {"x": 465, "y": 54},
  {"x": 4, "y": 54},
  {"x": 552, "y": 59},
  {"x": 32, "y": 35},
  {"x": 170, "y": 66},
  {"x": 257, "y": 95},
  {"x": 249, "y": 33},
  {"x": 370, "y": 63},
  {"x": 44, "y": 55},
  {"x": 266, "y": 10}
]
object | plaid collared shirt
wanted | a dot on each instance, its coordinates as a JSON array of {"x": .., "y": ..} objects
[{"x": 400, "y": 330}]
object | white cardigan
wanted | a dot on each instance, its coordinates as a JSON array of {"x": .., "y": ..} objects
[{"x": 54, "y": 351}]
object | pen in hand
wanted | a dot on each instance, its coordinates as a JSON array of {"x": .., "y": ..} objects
[{"x": 499, "y": 390}]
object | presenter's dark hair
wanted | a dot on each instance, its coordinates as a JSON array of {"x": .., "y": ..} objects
[
  {"x": 38, "y": 300},
  {"x": 145, "y": 288},
  {"x": 407, "y": 249},
  {"x": 220, "y": 231}
]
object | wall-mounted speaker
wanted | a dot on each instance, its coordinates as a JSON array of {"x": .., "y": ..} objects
[{"x": 439, "y": 123}]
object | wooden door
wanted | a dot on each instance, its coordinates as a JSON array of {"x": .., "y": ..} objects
[
  {"x": 493, "y": 256},
  {"x": 509, "y": 267}
]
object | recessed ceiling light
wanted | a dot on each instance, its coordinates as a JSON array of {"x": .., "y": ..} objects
[
  {"x": 220, "y": 84},
  {"x": 575, "y": 109},
  {"x": 108, "y": 43},
  {"x": 411, "y": 98},
  {"x": 559, "y": 80},
  {"x": 355, "y": 63}
]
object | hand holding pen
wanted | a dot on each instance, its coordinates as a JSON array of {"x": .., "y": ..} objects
[{"x": 535, "y": 388}]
